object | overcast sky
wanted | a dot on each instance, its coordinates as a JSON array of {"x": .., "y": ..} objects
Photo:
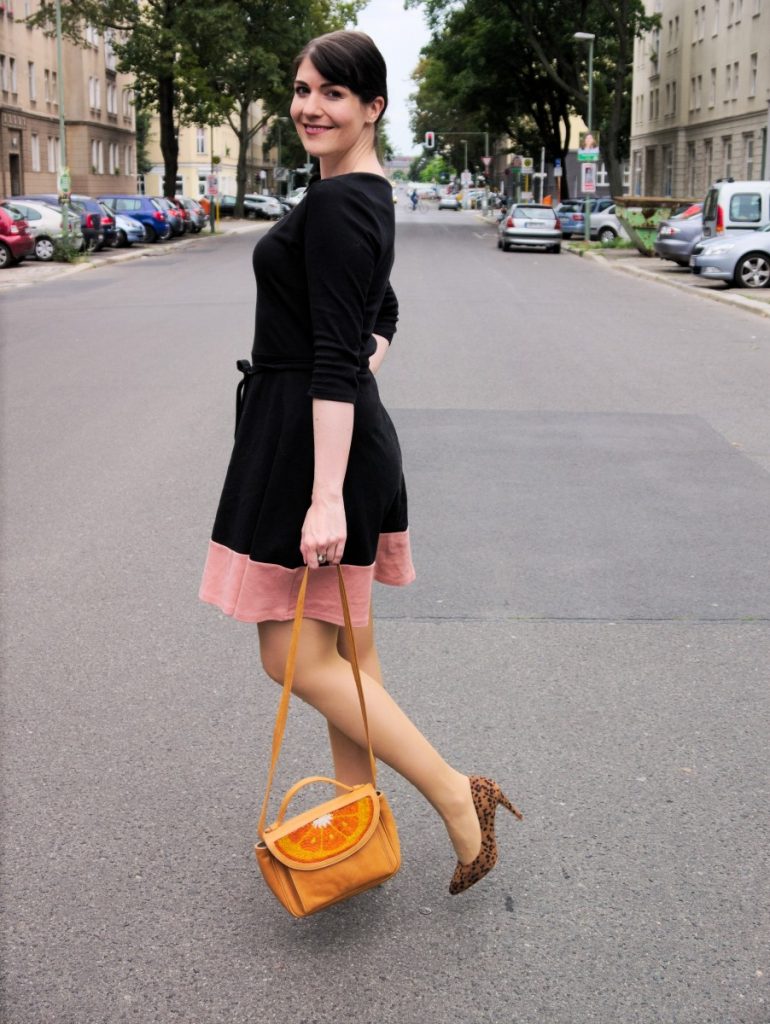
[{"x": 400, "y": 35}]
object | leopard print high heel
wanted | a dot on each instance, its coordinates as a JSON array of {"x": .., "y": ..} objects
[{"x": 486, "y": 796}]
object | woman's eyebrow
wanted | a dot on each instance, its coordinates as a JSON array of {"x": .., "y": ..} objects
[{"x": 324, "y": 84}]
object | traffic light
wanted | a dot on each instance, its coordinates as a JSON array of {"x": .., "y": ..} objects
[{"x": 430, "y": 140}]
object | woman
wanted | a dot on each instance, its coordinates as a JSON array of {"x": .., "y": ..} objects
[{"x": 315, "y": 476}]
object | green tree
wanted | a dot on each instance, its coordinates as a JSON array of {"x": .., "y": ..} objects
[{"x": 516, "y": 63}]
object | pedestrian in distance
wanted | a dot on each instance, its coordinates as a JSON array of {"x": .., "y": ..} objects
[
  {"x": 414, "y": 199},
  {"x": 315, "y": 477}
]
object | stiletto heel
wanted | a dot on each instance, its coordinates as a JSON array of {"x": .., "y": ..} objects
[{"x": 486, "y": 796}]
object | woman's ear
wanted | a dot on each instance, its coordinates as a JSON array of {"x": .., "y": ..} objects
[{"x": 376, "y": 108}]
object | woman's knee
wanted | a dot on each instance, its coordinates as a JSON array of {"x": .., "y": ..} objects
[{"x": 272, "y": 651}]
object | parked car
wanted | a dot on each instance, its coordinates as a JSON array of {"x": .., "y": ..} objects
[
  {"x": 448, "y": 203},
  {"x": 296, "y": 195},
  {"x": 263, "y": 207},
  {"x": 128, "y": 231},
  {"x": 198, "y": 216},
  {"x": 109, "y": 227},
  {"x": 144, "y": 209},
  {"x": 605, "y": 225},
  {"x": 678, "y": 235},
  {"x": 740, "y": 258},
  {"x": 736, "y": 206},
  {"x": 44, "y": 223},
  {"x": 531, "y": 226},
  {"x": 174, "y": 214},
  {"x": 179, "y": 204},
  {"x": 90, "y": 216},
  {"x": 571, "y": 214},
  {"x": 15, "y": 240}
]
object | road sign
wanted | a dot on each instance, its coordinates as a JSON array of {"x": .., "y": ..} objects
[
  {"x": 65, "y": 180},
  {"x": 430, "y": 140},
  {"x": 558, "y": 171},
  {"x": 588, "y": 178},
  {"x": 212, "y": 184},
  {"x": 486, "y": 160},
  {"x": 527, "y": 164}
]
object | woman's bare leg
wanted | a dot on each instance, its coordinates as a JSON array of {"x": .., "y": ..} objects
[
  {"x": 322, "y": 679},
  {"x": 351, "y": 761}
]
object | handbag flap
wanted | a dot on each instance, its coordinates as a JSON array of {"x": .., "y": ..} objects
[{"x": 328, "y": 833}]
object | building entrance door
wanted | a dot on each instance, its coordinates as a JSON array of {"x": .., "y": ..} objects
[{"x": 15, "y": 168}]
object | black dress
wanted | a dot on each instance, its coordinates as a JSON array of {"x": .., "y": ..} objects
[{"x": 322, "y": 291}]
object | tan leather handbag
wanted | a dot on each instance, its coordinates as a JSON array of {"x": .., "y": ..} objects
[{"x": 341, "y": 847}]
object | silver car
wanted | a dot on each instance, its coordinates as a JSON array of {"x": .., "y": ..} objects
[
  {"x": 678, "y": 236},
  {"x": 531, "y": 227},
  {"x": 740, "y": 258}
]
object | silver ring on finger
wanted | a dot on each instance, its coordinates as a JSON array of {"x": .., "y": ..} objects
[{"x": 321, "y": 558}]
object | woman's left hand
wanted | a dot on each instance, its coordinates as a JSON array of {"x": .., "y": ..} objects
[{"x": 324, "y": 532}]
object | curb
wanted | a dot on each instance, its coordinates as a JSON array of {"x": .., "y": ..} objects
[
  {"x": 138, "y": 254},
  {"x": 724, "y": 297}
]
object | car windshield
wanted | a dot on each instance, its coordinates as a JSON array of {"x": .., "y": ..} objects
[{"x": 534, "y": 212}]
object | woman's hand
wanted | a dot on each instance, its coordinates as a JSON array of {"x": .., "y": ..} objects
[{"x": 324, "y": 531}]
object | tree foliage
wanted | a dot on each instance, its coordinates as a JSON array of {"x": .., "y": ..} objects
[
  {"x": 201, "y": 63},
  {"x": 514, "y": 65}
]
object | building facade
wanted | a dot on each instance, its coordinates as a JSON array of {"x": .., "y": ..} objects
[
  {"x": 198, "y": 144},
  {"x": 100, "y": 130},
  {"x": 701, "y": 97}
]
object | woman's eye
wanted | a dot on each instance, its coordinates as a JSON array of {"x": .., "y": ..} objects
[
  {"x": 300, "y": 90},
  {"x": 335, "y": 94}
]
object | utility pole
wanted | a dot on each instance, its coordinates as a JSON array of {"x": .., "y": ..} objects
[{"x": 65, "y": 179}]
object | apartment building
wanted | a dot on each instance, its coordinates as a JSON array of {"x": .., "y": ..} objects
[
  {"x": 101, "y": 141},
  {"x": 701, "y": 95},
  {"x": 197, "y": 145}
]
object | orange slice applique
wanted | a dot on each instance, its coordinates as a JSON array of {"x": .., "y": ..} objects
[{"x": 330, "y": 834}]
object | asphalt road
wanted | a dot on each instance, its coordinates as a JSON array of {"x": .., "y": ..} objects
[{"x": 587, "y": 456}]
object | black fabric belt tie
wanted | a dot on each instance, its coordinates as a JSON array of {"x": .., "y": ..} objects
[{"x": 249, "y": 370}]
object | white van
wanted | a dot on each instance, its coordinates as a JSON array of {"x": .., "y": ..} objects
[{"x": 736, "y": 206}]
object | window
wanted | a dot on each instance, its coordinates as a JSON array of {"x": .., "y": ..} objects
[
  {"x": 673, "y": 98},
  {"x": 695, "y": 25},
  {"x": 97, "y": 157},
  {"x": 712, "y": 87},
  {"x": 34, "y": 140},
  {"x": 738, "y": 10},
  {"x": 12, "y": 74},
  {"x": 27, "y": 8},
  {"x": 755, "y": 8},
  {"x": 110, "y": 61},
  {"x": 715, "y": 30},
  {"x": 47, "y": 85},
  {"x": 54, "y": 89},
  {"x": 730, "y": 13},
  {"x": 53, "y": 153},
  {"x": 746, "y": 207},
  {"x": 651, "y": 105},
  {"x": 708, "y": 160},
  {"x": 32, "y": 81},
  {"x": 676, "y": 31},
  {"x": 748, "y": 150},
  {"x": 3, "y": 73},
  {"x": 602, "y": 177},
  {"x": 735, "y": 80},
  {"x": 728, "y": 81},
  {"x": 668, "y": 98},
  {"x": 637, "y": 174},
  {"x": 657, "y": 103},
  {"x": 668, "y": 170},
  {"x": 200, "y": 140},
  {"x": 727, "y": 150},
  {"x": 111, "y": 157},
  {"x": 92, "y": 36},
  {"x": 127, "y": 163},
  {"x": 691, "y": 168},
  {"x": 112, "y": 98},
  {"x": 702, "y": 24}
]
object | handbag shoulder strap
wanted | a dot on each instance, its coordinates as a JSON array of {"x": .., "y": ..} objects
[{"x": 288, "y": 680}]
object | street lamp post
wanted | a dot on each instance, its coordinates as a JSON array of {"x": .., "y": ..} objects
[
  {"x": 465, "y": 175},
  {"x": 588, "y": 37},
  {"x": 64, "y": 183}
]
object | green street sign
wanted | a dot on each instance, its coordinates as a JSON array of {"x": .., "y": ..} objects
[
  {"x": 585, "y": 156},
  {"x": 65, "y": 180}
]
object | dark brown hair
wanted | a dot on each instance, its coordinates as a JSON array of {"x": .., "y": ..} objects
[{"x": 350, "y": 59}]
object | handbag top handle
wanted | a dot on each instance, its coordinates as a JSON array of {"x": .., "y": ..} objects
[{"x": 288, "y": 680}]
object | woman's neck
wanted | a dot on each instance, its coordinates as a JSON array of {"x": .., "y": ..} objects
[{"x": 360, "y": 159}]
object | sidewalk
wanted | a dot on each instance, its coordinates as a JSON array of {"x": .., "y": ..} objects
[
  {"x": 32, "y": 272},
  {"x": 629, "y": 261}
]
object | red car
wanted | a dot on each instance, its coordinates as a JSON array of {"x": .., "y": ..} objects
[{"x": 15, "y": 240}]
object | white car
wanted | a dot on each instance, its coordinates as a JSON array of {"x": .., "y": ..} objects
[
  {"x": 45, "y": 225},
  {"x": 266, "y": 207},
  {"x": 449, "y": 203}
]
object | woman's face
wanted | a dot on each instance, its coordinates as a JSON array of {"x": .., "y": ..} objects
[{"x": 330, "y": 119}]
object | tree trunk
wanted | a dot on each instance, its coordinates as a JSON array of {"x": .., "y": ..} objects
[
  {"x": 243, "y": 151},
  {"x": 169, "y": 144}
]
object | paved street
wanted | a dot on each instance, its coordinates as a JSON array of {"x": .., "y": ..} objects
[{"x": 588, "y": 461}]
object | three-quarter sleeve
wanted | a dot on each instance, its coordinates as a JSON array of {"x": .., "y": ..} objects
[
  {"x": 341, "y": 253},
  {"x": 387, "y": 317}
]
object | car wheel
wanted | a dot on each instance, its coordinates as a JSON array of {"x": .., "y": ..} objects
[
  {"x": 499, "y": 242},
  {"x": 7, "y": 258},
  {"x": 505, "y": 247},
  {"x": 44, "y": 249},
  {"x": 607, "y": 235},
  {"x": 753, "y": 271},
  {"x": 150, "y": 234},
  {"x": 556, "y": 249}
]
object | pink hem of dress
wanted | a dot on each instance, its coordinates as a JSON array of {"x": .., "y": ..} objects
[{"x": 252, "y": 591}]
